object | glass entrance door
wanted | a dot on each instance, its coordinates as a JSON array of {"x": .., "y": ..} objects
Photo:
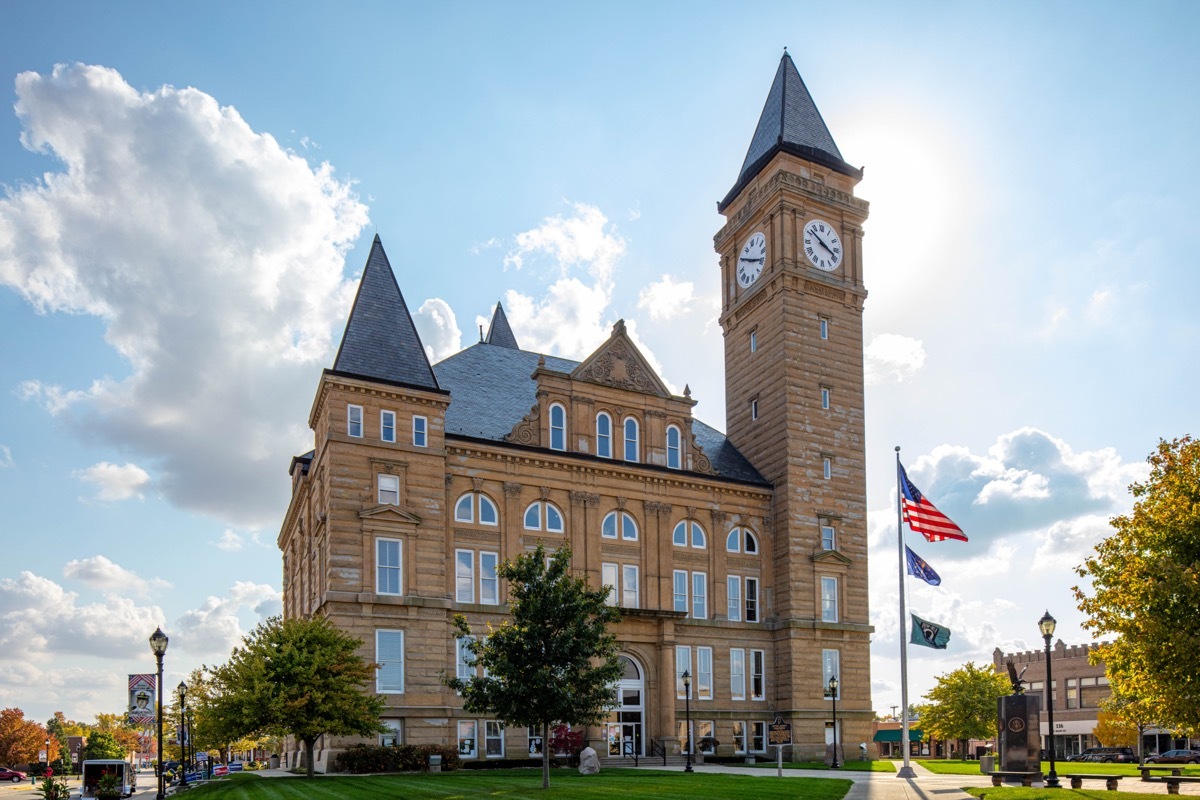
[{"x": 624, "y": 728}]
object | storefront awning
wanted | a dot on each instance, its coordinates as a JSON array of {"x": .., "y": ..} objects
[{"x": 914, "y": 735}]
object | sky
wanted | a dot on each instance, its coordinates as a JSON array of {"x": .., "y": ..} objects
[{"x": 188, "y": 193}]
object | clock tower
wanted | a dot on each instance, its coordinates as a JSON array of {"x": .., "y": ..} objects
[{"x": 792, "y": 300}]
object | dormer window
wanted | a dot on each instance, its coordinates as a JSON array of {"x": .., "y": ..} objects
[
  {"x": 558, "y": 427},
  {"x": 631, "y": 439},
  {"x": 674, "y": 457},
  {"x": 603, "y": 435}
]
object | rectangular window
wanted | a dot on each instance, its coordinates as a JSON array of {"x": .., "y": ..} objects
[
  {"x": 389, "y": 654},
  {"x": 828, "y": 538},
  {"x": 489, "y": 584},
  {"x": 493, "y": 738},
  {"x": 827, "y": 467},
  {"x": 704, "y": 674},
  {"x": 354, "y": 421},
  {"x": 683, "y": 663},
  {"x": 387, "y": 426},
  {"x": 1072, "y": 693},
  {"x": 535, "y": 741},
  {"x": 823, "y": 325},
  {"x": 734, "y": 590},
  {"x": 464, "y": 661},
  {"x": 681, "y": 590},
  {"x": 758, "y": 737},
  {"x": 393, "y": 733},
  {"x": 751, "y": 599},
  {"x": 705, "y": 741},
  {"x": 753, "y": 341},
  {"x": 739, "y": 737},
  {"x": 825, "y": 393},
  {"x": 629, "y": 586},
  {"x": 389, "y": 490},
  {"x": 699, "y": 595},
  {"x": 829, "y": 599},
  {"x": 608, "y": 576},
  {"x": 464, "y": 576},
  {"x": 758, "y": 677},
  {"x": 831, "y": 667},
  {"x": 737, "y": 674},
  {"x": 420, "y": 432},
  {"x": 466, "y": 738},
  {"x": 388, "y": 566},
  {"x": 754, "y": 408}
]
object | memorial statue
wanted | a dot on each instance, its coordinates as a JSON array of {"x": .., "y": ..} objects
[{"x": 1018, "y": 685}]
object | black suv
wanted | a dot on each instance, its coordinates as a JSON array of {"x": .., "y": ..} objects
[{"x": 1119, "y": 755}]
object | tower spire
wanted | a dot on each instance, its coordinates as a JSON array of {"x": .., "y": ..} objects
[{"x": 499, "y": 331}]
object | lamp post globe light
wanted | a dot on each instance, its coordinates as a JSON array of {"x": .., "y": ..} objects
[
  {"x": 687, "y": 715},
  {"x": 158, "y": 646},
  {"x": 47, "y": 756},
  {"x": 183, "y": 734},
  {"x": 1046, "y": 625},
  {"x": 833, "y": 689}
]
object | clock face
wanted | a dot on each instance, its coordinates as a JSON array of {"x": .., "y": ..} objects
[
  {"x": 751, "y": 259},
  {"x": 822, "y": 245}
]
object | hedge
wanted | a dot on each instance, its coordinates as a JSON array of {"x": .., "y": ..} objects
[{"x": 364, "y": 758}]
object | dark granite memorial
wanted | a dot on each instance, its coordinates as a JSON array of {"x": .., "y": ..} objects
[{"x": 1020, "y": 742}]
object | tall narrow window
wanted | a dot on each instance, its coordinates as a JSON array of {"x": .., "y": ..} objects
[
  {"x": 631, "y": 439},
  {"x": 464, "y": 662},
  {"x": 389, "y": 654},
  {"x": 758, "y": 677},
  {"x": 704, "y": 673},
  {"x": 752, "y": 600},
  {"x": 674, "y": 460},
  {"x": 489, "y": 584},
  {"x": 753, "y": 341},
  {"x": 354, "y": 421},
  {"x": 388, "y": 567},
  {"x": 699, "y": 595},
  {"x": 389, "y": 490},
  {"x": 829, "y": 600},
  {"x": 558, "y": 427},
  {"x": 464, "y": 576},
  {"x": 603, "y": 435},
  {"x": 830, "y": 666},
  {"x": 387, "y": 426},
  {"x": 823, "y": 327},
  {"x": 828, "y": 538},
  {"x": 734, "y": 593},
  {"x": 737, "y": 674},
  {"x": 739, "y": 737},
  {"x": 493, "y": 738},
  {"x": 827, "y": 467},
  {"x": 466, "y": 738},
  {"x": 420, "y": 432},
  {"x": 681, "y": 590},
  {"x": 754, "y": 408},
  {"x": 608, "y": 577},
  {"x": 758, "y": 737},
  {"x": 825, "y": 393},
  {"x": 683, "y": 663},
  {"x": 629, "y": 586}
]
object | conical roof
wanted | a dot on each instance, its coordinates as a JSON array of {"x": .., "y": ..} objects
[
  {"x": 380, "y": 341},
  {"x": 499, "y": 331}
]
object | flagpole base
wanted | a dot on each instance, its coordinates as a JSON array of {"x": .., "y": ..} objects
[{"x": 906, "y": 772}]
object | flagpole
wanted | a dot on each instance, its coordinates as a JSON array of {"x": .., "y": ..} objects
[{"x": 905, "y": 771}]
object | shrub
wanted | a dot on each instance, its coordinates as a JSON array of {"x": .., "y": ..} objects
[
  {"x": 365, "y": 758},
  {"x": 508, "y": 763}
]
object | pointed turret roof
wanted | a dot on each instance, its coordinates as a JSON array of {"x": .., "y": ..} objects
[
  {"x": 380, "y": 341},
  {"x": 499, "y": 332},
  {"x": 789, "y": 122}
]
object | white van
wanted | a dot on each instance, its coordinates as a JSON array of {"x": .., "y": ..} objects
[{"x": 92, "y": 770}]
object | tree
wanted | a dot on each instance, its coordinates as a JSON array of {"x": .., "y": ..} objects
[
  {"x": 1145, "y": 589},
  {"x": 298, "y": 677},
  {"x": 118, "y": 725},
  {"x": 553, "y": 660},
  {"x": 103, "y": 744},
  {"x": 963, "y": 704},
  {"x": 20, "y": 738},
  {"x": 1128, "y": 712},
  {"x": 1113, "y": 731}
]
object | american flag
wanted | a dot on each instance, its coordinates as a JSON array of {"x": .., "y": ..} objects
[{"x": 922, "y": 516}]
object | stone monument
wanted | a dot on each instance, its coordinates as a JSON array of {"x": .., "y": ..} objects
[
  {"x": 589, "y": 762},
  {"x": 1019, "y": 742}
]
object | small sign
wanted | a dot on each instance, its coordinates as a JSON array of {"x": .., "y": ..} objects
[{"x": 779, "y": 732}]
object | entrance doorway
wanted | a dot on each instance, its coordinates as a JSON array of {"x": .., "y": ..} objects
[{"x": 624, "y": 728}]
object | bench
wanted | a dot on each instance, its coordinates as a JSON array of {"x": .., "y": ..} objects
[
  {"x": 1026, "y": 778},
  {"x": 1147, "y": 769},
  {"x": 1173, "y": 781},
  {"x": 1110, "y": 781}
]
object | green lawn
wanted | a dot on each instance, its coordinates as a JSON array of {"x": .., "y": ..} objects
[
  {"x": 956, "y": 767},
  {"x": 1097, "y": 792},
  {"x": 522, "y": 784}
]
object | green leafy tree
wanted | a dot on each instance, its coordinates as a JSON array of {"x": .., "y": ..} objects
[
  {"x": 298, "y": 677},
  {"x": 553, "y": 660},
  {"x": 962, "y": 705},
  {"x": 103, "y": 744},
  {"x": 1145, "y": 589},
  {"x": 1123, "y": 711}
]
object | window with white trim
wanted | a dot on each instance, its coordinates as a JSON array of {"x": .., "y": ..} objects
[
  {"x": 543, "y": 516},
  {"x": 758, "y": 675},
  {"x": 388, "y": 566},
  {"x": 683, "y": 663},
  {"x": 622, "y": 580},
  {"x": 464, "y": 660},
  {"x": 354, "y": 421},
  {"x": 467, "y": 738},
  {"x": 826, "y": 393},
  {"x": 704, "y": 673},
  {"x": 827, "y": 467},
  {"x": 739, "y": 737},
  {"x": 558, "y": 427},
  {"x": 689, "y": 532},
  {"x": 680, "y": 585},
  {"x": 603, "y": 435},
  {"x": 493, "y": 738},
  {"x": 752, "y": 600},
  {"x": 705, "y": 741},
  {"x": 464, "y": 576},
  {"x": 388, "y": 493},
  {"x": 741, "y": 540},
  {"x": 420, "y": 431},
  {"x": 828, "y": 537},
  {"x": 674, "y": 448},
  {"x": 753, "y": 341},
  {"x": 829, "y": 599},
  {"x": 737, "y": 674},
  {"x": 619, "y": 522},
  {"x": 474, "y": 506},
  {"x": 489, "y": 583},
  {"x": 393, "y": 733},
  {"x": 823, "y": 327},
  {"x": 697, "y": 582},
  {"x": 534, "y": 735},
  {"x": 733, "y": 596},
  {"x": 699, "y": 595},
  {"x": 831, "y": 667},
  {"x": 389, "y": 654},
  {"x": 387, "y": 426},
  {"x": 758, "y": 737},
  {"x": 754, "y": 408},
  {"x": 632, "y": 451}
]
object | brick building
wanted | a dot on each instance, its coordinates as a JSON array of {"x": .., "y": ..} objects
[{"x": 739, "y": 557}]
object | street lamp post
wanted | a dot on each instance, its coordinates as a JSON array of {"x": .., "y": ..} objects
[
  {"x": 687, "y": 715},
  {"x": 158, "y": 646},
  {"x": 1046, "y": 625},
  {"x": 47, "y": 756},
  {"x": 183, "y": 734},
  {"x": 833, "y": 689}
]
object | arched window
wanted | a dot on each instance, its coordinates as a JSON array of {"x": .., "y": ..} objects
[
  {"x": 741, "y": 540},
  {"x": 476, "y": 507},
  {"x": 619, "y": 523},
  {"x": 631, "y": 439},
  {"x": 558, "y": 427},
  {"x": 603, "y": 435},
  {"x": 689, "y": 532},
  {"x": 674, "y": 458},
  {"x": 542, "y": 516}
]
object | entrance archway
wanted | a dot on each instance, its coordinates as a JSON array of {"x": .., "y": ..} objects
[{"x": 625, "y": 726}]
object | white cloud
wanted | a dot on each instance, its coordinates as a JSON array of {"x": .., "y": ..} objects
[
  {"x": 230, "y": 541},
  {"x": 6, "y": 459},
  {"x": 115, "y": 482},
  {"x": 438, "y": 329},
  {"x": 213, "y": 256},
  {"x": 215, "y": 628},
  {"x": 666, "y": 298},
  {"x": 99, "y": 572},
  {"x": 891, "y": 357}
]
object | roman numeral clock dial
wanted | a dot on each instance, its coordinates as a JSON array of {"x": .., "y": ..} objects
[
  {"x": 822, "y": 245},
  {"x": 751, "y": 259}
]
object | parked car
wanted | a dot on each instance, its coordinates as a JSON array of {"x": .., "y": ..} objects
[
  {"x": 1107, "y": 755},
  {"x": 1175, "y": 757},
  {"x": 12, "y": 775}
]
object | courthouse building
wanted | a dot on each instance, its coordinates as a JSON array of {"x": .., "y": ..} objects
[{"x": 740, "y": 557}]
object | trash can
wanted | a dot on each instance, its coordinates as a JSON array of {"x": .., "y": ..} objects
[
  {"x": 435, "y": 763},
  {"x": 987, "y": 764}
]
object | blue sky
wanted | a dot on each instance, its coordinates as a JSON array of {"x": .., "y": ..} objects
[{"x": 188, "y": 194}]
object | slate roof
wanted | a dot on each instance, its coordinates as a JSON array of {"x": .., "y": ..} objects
[
  {"x": 491, "y": 390},
  {"x": 500, "y": 332},
  {"x": 789, "y": 122},
  {"x": 380, "y": 341}
]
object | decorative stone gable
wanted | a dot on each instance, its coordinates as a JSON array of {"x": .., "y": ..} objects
[
  {"x": 529, "y": 429},
  {"x": 619, "y": 363}
]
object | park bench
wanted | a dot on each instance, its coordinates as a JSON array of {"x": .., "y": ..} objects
[
  {"x": 1173, "y": 781},
  {"x": 1146, "y": 769},
  {"x": 1026, "y": 778},
  {"x": 1110, "y": 781}
]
